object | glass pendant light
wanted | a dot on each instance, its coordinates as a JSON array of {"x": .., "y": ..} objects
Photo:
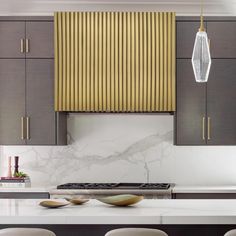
[{"x": 201, "y": 58}]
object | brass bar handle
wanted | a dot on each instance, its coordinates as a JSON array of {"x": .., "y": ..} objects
[
  {"x": 27, "y": 46},
  {"x": 203, "y": 128},
  {"x": 22, "y": 45},
  {"x": 209, "y": 128},
  {"x": 27, "y": 127},
  {"x": 22, "y": 128}
]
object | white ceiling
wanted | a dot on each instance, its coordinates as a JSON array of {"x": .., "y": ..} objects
[{"x": 181, "y": 7}]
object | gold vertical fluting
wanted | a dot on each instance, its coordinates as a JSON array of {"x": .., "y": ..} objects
[
  {"x": 115, "y": 61},
  {"x": 56, "y": 84}
]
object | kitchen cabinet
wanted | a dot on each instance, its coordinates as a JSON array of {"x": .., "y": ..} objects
[
  {"x": 39, "y": 39},
  {"x": 186, "y": 33},
  {"x": 221, "y": 97},
  {"x": 204, "y": 196},
  {"x": 27, "y": 113},
  {"x": 24, "y": 195},
  {"x": 223, "y": 38},
  {"x": 30, "y": 39},
  {"x": 205, "y": 111},
  {"x": 39, "y": 101},
  {"x": 191, "y": 106},
  {"x": 12, "y": 100},
  {"x": 12, "y": 36}
]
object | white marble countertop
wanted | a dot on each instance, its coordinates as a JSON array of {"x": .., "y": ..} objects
[
  {"x": 146, "y": 212},
  {"x": 25, "y": 190},
  {"x": 204, "y": 189},
  {"x": 176, "y": 189}
]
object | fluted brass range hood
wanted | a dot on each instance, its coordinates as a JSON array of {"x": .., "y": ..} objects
[{"x": 115, "y": 61}]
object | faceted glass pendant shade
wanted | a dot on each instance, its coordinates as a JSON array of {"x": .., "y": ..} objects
[{"x": 201, "y": 58}]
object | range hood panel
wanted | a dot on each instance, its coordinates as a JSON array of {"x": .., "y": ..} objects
[{"x": 115, "y": 61}]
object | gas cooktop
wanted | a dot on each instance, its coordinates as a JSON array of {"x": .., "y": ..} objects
[{"x": 134, "y": 186}]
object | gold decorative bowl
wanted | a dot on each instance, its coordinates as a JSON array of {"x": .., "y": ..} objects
[
  {"x": 53, "y": 204},
  {"x": 121, "y": 200},
  {"x": 77, "y": 201}
]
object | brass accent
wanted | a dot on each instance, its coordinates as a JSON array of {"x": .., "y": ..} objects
[
  {"x": 116, "y": 64},
  {"x": 208, "y": 128},
  {"x": 72, "y": 58},
  {"x": 22, "y": 45},
  {"x": 22, "y": 128},
  {"x": 114, "y": 61},
  {"x": 153, "y": 83},
  {"x": 27, "y": 127},
  {"x": 27, "y": 45},
  {"x": 88, "y": 71},
  {"x": 172, "y": 54},
  {"x": 161, "y": 61},
  {"x": 104, "y": 56},
  {"x": 133, "y": 79},
  {"x": 108, "y": 65},
  {"x": 96, "y": 102},
  {"x": 100, "y": 61},
  {"x": 203, "y": 128},
  {"x": 124, "y": 57},
  {"x": 144, "y": 61},
  {"x": 137, "y": 81},
  {"x": 56, "y": 61},
  {"x": 149, "y": 61},
  {"x": 202, "y": 28}
]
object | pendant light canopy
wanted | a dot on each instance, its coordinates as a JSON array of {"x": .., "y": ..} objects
[{"x": 201, "y": 58}]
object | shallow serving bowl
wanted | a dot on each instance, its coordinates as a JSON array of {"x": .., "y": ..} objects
[
  {"x": 77, "y": 201},
  {"x": 121, "y": 200},
  {"x": 53, "y": 203}
]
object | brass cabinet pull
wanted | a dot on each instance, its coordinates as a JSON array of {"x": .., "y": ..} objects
[
  {"x": 22, "y": 128},
  {"x": 27, "y": 45},
  {"x": 203, "y": 128},
  {"x": 22, "y": 45},
  {"x": 209, "y": 128},
  {"x": 27, "y": 127}
]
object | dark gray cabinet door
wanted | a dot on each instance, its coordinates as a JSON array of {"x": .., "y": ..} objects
[
  {"x": 186, "y": 33},
  {"x": 221, "y": 97},
  {"x": 223, "y": 37},
  {"x": 12, "y": 100},
  {"x": 11, "y": 38},
  {"x": 191, "y": 107},
  {"x": 40, "y": 37},
  {"x": 40, "y": 101}
]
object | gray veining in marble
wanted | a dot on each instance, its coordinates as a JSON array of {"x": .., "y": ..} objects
[{"x": 123, "y": 148}]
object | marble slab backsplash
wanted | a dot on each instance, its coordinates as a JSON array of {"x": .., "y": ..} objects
[{"x": 123, "y": 148}]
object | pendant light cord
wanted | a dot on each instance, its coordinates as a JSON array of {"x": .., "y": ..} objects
[{"x": 202, "y": 24}]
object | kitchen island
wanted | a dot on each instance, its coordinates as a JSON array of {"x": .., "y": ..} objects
[{"x": 176, "y": 217}]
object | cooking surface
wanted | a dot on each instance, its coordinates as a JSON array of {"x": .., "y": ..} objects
[{"x": 115, "y": 186}]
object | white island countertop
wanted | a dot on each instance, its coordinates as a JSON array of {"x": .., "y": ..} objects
[{"x": 152, "y": 212}]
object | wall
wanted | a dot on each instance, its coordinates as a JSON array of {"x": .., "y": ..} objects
[
  {"x": 181, "y": 7},
  {"x": 128, "y": 148}
]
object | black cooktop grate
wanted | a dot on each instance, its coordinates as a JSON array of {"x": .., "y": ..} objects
[{"x": 144, "y": 186}]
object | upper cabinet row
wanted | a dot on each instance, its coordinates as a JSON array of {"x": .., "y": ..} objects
[
  {"x": 30, "y": 39},
  {"x": 27, "y": 115},
  {"x": 206, "y": 112},
  {"x": 222, "y": 36}
]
